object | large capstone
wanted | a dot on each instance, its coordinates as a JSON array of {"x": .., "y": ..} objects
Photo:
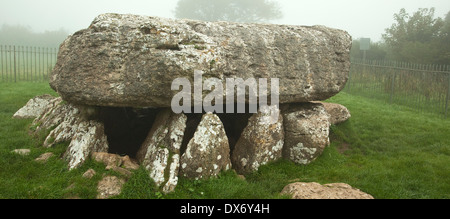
[{"x": 131, "y": 61}]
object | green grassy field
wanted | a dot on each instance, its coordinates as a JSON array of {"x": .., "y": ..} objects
[{"x": 388, "y": 151}]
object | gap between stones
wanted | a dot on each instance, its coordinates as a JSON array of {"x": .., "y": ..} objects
[{"x": 127, "y": 128}]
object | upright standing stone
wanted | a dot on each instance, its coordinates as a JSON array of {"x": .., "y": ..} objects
[
  {"x": 90, "y": 137},
  {"x": 261, "y": 142},
  {"x": 208, "y": 152},
  {"x": 160, "y": 153},
  {"x": 307, "y": 129}
]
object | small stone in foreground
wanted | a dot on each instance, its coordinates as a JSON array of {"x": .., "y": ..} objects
[
  {"x": 301, "y": 190},
  {"x": 89, "y": 174},
  {"x": 23, "y": 152},
  {"x": 44, "y": 157},
  {"x": 109, "y": 186}
]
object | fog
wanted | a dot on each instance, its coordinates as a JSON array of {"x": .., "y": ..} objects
[{"x": 368, "y": 18}]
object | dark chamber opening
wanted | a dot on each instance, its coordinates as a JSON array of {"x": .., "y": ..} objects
[
  {"x": 234, "y": 124},
  {"x": 126, "y": 128}
]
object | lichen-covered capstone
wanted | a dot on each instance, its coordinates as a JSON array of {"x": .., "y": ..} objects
[{"x": 131, "y": 61}]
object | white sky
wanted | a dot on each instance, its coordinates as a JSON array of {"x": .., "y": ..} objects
[{"x": 361, "y": 18}]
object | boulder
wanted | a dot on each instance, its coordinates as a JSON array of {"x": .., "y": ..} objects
[
  {"x": 337, "y": 112},
  {"x": 313, "y": 190},
  {"x": 36, "y": 106},
  {"x": 68, "y": 121},
  {"x": 208, "y": 152},
  {"x": 109, "y": 186},
  {"x": 307, "y": 130},
  {"x": 89, "y": 138},
  {"x": 89, "y": 174},
  {"x": 50, "y": 118},
  {"x": 110, "y": 160},
  {"x": 131, "y": 61},
  {"x": 43, "y": 158},
  {"x": 160, "y": 153},
  {"x": 23, "y": 152},
  {"x": 261, "y": 142}
]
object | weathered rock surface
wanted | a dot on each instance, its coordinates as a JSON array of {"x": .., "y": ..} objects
[
  {"x": 338, "y": 113},
  {"x": 261, "y": 142},
  {"x": 23, "y": 152},
  {"x": 160, "y": 153},
  {"x": 302, "y": 190},
  {"x": 89, "y": 138},
  {"x": 208, "y": 152},
  {"x": 89, "y": 174},
  {"x": 36, "y": 106},
  {"x": 110, "y": 160},
  {"x": 109, "y": 186},
  {"x": 131, "y": 61},
  {"x": 43, "y": 158},
  {"x": 67, "y": 125},
  {"x": 307, "y": 129},
  {"x": 51, "y": 117}
]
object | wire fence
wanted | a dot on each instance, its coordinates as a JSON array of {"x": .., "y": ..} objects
[
  {"x": 422, "y": 87},
  {"x": 425, "y": 88},
  {"x": 26, "y": 63}
]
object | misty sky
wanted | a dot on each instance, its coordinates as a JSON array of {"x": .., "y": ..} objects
[{"x": 361, "y": 18}]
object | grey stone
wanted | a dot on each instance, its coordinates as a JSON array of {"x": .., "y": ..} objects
[
  {"x": 160, "y": 153},
  {"x": 131, "y": 61},
  {"x": 261, "y": 142},
  {"x": 208, "y": 152},
  {"x": 89, "y": 138},
  {"x": 23, "y": 152},
  {"x": 307, "y": 130},
  {"x": 36, "y": 106},
  {"x": 43, "y": 158},
  {"x": 338, "y": 113},
  {"x": 301, "y": 190},
  {"x": 89, "y": 174},
  {"x": 109, "y": 186}
]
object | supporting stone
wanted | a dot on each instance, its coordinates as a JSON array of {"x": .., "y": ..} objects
[
  {"x": 89, "y": 138},
  {"x": 306, "y": 132},
  {"x": 260, "y": 143},
  {"x": 160, "y": 153},
  {"x": 208, "y": 152},
  {"x": 36, "y": 106}
]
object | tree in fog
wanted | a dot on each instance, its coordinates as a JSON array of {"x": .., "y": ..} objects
[
  {"x": 24, "y": 36},
  {"x": 245, "y": 11},
  {"x": 445, "y": 41},
  {"x": 418, "y": 37}
]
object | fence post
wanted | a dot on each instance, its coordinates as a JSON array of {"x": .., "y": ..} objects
[
  {"x": 15, "y": 71},
  {"x": 1, "y": 58},
  {"x": 448, "y": 92},
  {"x": 392, "y": 87},
  {"x": 349, "y": 77}
]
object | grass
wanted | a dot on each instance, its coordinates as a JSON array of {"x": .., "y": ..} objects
[{"x": 388, "y": 151}]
